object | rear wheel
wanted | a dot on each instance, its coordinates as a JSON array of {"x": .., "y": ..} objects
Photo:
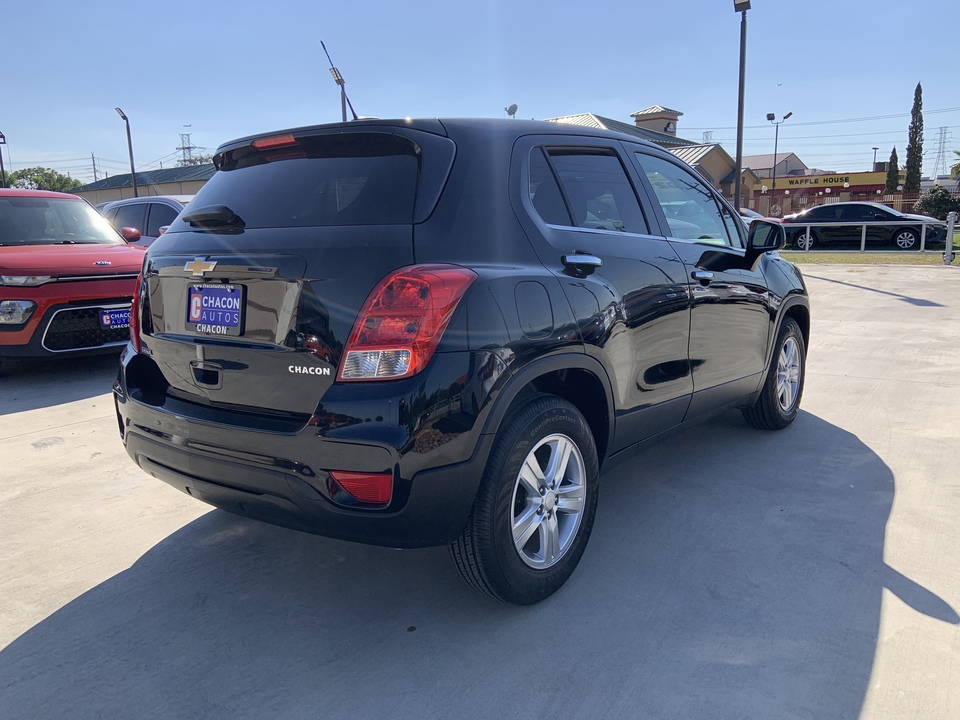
[
  {"x": 805, "y": 240},
  {"x": 779, "y": 400},
  {"x": 905, "y": 238},
  {"x": 535, "y": 507}
]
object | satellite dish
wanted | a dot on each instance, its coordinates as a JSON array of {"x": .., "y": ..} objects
[{"x": 511, "y": 111}]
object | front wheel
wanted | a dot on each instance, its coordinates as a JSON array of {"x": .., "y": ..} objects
[
  {"x": 779, "y": 400},
  {"x": 535, "y": 507}
]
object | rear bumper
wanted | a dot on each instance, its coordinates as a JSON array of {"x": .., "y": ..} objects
[{"x": 282, "y": 477}]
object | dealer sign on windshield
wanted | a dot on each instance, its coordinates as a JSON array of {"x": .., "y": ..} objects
[{"x": 215, "y": 309}]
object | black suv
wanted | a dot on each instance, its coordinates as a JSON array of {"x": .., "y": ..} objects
[{"x": 424, "y": 332}]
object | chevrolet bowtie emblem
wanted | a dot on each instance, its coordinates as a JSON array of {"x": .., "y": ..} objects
[{"x": 199, "y": 266}]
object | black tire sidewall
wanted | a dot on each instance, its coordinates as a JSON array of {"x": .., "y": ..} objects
[{"x": 789, "y": 328}]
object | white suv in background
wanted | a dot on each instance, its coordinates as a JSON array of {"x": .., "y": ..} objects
[{"x": 150, "y": 216}]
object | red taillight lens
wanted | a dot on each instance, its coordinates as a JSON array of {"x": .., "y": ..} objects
[
  {"x": 374, "y": 488},
  {"x": 402, "y": 321},
  {"x": 135, "y": 315}
]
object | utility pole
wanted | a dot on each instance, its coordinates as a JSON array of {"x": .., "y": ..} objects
[{"x": 93, "y": 160}]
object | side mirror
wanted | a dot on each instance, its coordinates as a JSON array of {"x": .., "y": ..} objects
[
  {"x": 765, "y": 236},
  {"x": 130, "y": 234}
]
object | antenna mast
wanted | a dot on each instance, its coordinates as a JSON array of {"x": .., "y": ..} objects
[{"x": 338, "y": 79}]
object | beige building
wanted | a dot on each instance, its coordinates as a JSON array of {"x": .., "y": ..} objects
[{"x": 169, "y": 181}]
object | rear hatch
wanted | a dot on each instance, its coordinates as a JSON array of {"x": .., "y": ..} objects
[{"x": 248, "y": 299}]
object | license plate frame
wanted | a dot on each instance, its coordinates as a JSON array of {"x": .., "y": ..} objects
[
  {"x": 216, "y": 309},
  {"x": 115, "y": 318}
]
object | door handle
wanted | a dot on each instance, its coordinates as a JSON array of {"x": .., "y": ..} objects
[
  {"x": 581, "y": 265},
  {"x": 704, "y": 276}
]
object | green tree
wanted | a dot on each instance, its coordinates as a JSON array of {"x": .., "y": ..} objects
[
  {"x": 937, "y": 202},
  {"x": 955, "y": 169},
  {"x": 38, "y": 178},
  {"x": 915, "y": 144},
  {"x": 893, "y": 173},
  {"x": 195, "y": 160}
]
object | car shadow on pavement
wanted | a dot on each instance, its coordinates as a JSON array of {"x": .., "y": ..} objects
[
  {"x": 919, "y": 302},
  {"x": 39, "y": 383},
  {"x": 731, "y": 573}
]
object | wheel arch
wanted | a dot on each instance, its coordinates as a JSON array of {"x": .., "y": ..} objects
[{"x": 577, "y": 378}]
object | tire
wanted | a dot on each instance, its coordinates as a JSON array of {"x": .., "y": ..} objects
[
  {"x": 550, "y": 514},
  {"x": 779, "y": 400},
  {"x": 905, "y": 238},
  {"x": 803, "y": 240}
]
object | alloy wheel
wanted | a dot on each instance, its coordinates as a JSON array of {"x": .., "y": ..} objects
[
  {"x": 788, "y": 374},
  {"x": 548, "y": 501}
]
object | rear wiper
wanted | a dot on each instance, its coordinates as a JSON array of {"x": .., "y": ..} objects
[{"x": 214, "y": 217}]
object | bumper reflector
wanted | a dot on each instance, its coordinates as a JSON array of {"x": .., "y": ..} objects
[{"x": 373, "y": 488}]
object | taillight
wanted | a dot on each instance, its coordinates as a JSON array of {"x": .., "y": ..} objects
[
  {"x": 373, "y": 488},
  {"x": 402, "y": 321},
  {"x": 135, "y": 315}
]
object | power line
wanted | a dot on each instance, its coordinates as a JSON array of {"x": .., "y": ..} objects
[{"x": 830, "y": 122}]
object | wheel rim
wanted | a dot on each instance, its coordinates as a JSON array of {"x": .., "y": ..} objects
[
  {"x": 788, "y": 374},
  {"x": 805, "y": 241},
  {"x": 548, "y": 501},
  {"x": 906, "y": 239}
]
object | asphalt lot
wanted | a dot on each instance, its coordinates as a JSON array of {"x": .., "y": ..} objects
[{"x": 813, "y": 573}]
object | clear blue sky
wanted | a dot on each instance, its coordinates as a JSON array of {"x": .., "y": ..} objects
[{"x": 229, "y": 69}]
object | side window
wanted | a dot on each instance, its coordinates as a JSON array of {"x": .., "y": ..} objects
[
  {"x": 110, "y": 214},
  {"x": 544, "y": 191},
  {"x": 735, "y": 227},
  {"x": 130, "y": 216},
  {"x": 597, "y": 190},
  {"x": 160, "y": 215},
  {"x": 691, "y": 210}
]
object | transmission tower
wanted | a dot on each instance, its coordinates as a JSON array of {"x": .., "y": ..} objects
[
  {"x": 186, "y": 148},
  {"x": 707, "y": 136},
  {"x": 940, "y": 164}
]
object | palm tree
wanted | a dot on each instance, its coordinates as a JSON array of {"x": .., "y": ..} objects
[{"x": 955, "y": 169}]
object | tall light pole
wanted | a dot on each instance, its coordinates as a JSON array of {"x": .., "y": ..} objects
[
  {"x": 874, "y": 159},
  {"x": 740, "y": 6},
  {"x": 133, "y": 173},
  {"x": 3, "y": 173},
  {"x": 776, "y": 137}
]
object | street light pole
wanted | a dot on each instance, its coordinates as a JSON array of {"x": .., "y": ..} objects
[
  {"x": 3, "y": 173},
  {"x": 874, "y": 159},
  {"x": 776, "y": 137},
  {"x": 133, "y": 173},
  {"x": 740, "y": 6}
]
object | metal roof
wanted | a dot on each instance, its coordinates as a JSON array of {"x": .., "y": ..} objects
[
  {"x": 765, "y": 162},
  {"x": 604, "y": 123},
  {"x": 693, "y": 154},
  {"x": 154, "y": 177},
  {"x": 656, "y": 110}
]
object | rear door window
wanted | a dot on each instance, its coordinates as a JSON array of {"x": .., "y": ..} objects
[{"x": 597, "y": 190}]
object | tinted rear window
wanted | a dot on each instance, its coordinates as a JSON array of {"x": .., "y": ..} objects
[{"x": 346, "y": 179}]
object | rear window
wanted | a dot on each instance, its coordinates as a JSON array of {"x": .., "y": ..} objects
[
  {"x": 344, "y": 179},
  {"x": 53, "y": 221}
]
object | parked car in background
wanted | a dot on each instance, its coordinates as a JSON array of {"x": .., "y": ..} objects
[
  {"x": 749, "y": 214},
  {"x": 66, "y": 277},
  {"x": 841, "y": 223},
  {"x": 149, "y": 216},
  {"x": 436, "y": 332}
]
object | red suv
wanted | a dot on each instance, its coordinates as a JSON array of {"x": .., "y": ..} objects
[{"x": 66, "y": 276}]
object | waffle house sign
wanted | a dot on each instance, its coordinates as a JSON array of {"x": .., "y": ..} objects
[{"x": 841, "y": 181}]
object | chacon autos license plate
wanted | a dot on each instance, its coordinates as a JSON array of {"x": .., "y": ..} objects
[
  {"x": 215, "y": 309},
  {"x": 116, "y": 318}
]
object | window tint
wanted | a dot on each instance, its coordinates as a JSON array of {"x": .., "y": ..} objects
[
  {"x": 598, "y": 191},
  {"x": 344, "y": 179},
  {"x": 160, "y": 215},
  {"x": 689, "y": 205},
  {"x": 130, "y": 216},
  {"x": 544, "y": 191}
]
